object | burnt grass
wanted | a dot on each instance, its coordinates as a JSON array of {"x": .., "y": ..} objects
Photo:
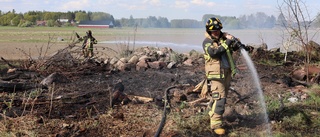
[{"x": 81, "y": 105}]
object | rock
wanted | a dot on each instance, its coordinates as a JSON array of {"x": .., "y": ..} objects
[
  {"x": 113, "y": 61},
  {"x": 142, "y": 64},
  {"x": 163, "y": 59},
  {"x": 157, "y": 64},
  {"x": 12, "y": 70},
  {"x": 174, "y": 57},
  {"x": 161, "y": 53},
  {"x": 123, "y": 66},
  {"x": 169, "y": 50},
  {"x": 147, "y": 50},
  {"x": 262, "y": 46},
  {"x": 200, "y": 61},
  {"x": 275, "y": 50},
  {"x": 193, "y": 54},
  {"x": 166, "y": 50},
  {"x": 171, "y": 65},
  {"x": 54, "y": 78},
  {"x": 119, "y": 64},
  {"x": 124, "y": 60},
  {"x": 188, "y": 62},
  {"x": 144, "y": 57},
  {"x": 293, "y": 99},
  {"x": 106, "y": 61},
  {"x": 133, "y": 60},
  {"x": 299, "y": 74}
]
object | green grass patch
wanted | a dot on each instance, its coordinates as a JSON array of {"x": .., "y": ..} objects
[
  {"x": 270, "y": 62},
  {"x": 191, "y": 126},
  {"x": 295, "y": 119}
]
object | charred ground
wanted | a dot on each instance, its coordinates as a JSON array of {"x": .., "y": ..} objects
[{"x": 80, "y": 103}]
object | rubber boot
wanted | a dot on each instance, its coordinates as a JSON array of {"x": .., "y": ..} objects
[
  {"x": 216, "y": 124},
  {"x": 219, "y": 131}
]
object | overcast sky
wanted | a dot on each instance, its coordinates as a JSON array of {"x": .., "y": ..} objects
[{"x": 171, "y": 9}]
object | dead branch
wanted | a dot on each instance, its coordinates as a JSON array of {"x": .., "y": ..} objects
[
  {"x": 11, "y": 77},
  {"x": 17, "y": 86},
  {"x": 197, "y": 101},
  {"x": 9, "y": 64},
  {"x": 140, "y": 99},
  {"x": 304, "y": 83}
]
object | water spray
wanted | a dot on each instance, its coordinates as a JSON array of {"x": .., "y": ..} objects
[{"x": 256, "y": 81}]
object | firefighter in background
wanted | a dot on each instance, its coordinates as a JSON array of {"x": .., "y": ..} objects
[
  {"x": 87, "y": 46},
  {"x": 219, "y": 68}
]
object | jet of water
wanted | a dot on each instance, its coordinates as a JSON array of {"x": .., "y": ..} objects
[{"x": 258, "y": 86}]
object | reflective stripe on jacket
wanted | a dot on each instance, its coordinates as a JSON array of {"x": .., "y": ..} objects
[
  {"x": 217, "y": 57},
  {"x": 89, "y": 43}
]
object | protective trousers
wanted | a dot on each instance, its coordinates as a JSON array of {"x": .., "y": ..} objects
[
  {"x": 219, "y": 90},
  {"x": 88, "y": 51}
]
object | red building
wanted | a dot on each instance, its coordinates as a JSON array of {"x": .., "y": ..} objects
[
  {"x": 41, "y": 23},
  {"x": 96, "y": 24}
]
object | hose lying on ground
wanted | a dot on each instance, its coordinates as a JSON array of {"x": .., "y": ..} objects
[{"x": 165, "y": 107}]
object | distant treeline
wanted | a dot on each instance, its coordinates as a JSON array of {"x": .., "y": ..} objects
[{"x": 31, "y": 18}]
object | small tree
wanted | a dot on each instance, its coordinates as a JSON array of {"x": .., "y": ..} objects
[{"x": 296, "y": 22}]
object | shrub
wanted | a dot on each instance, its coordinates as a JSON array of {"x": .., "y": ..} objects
[{"x": 25, "y": 24}]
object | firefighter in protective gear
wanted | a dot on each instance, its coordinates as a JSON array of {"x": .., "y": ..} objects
[
  {"x": 219, "y": 68},
  {"x": 87, "y": 46}
]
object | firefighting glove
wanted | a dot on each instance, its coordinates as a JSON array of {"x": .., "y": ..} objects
[
  {"x": 248, "y": 48},
  {"x": 239, "y": 45},
  {"x": 234, "y": 44}
]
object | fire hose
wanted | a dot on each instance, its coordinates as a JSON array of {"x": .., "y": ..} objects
[{"x": 165, "y": 107}]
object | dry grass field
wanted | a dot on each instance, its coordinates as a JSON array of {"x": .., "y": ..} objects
[
  {"x": 19, "y": 43},
  {"x": 80, "y": 106},
  {"x": 35, "y": 41}
]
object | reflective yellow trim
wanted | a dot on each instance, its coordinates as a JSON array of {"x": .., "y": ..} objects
[
  {"x": 230, "y": 58},
  {"x": 207, "y": 58},
  {"x": 211, "y": 112},
  {"x": 215, "y": 122},
  {"x": 224, "y": 45},
  {"x": 217, "y": 76}
]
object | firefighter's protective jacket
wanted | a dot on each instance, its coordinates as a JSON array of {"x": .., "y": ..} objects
[
  {"x": 218, "y": 59},
  {"x": 88, "y": 42}
]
